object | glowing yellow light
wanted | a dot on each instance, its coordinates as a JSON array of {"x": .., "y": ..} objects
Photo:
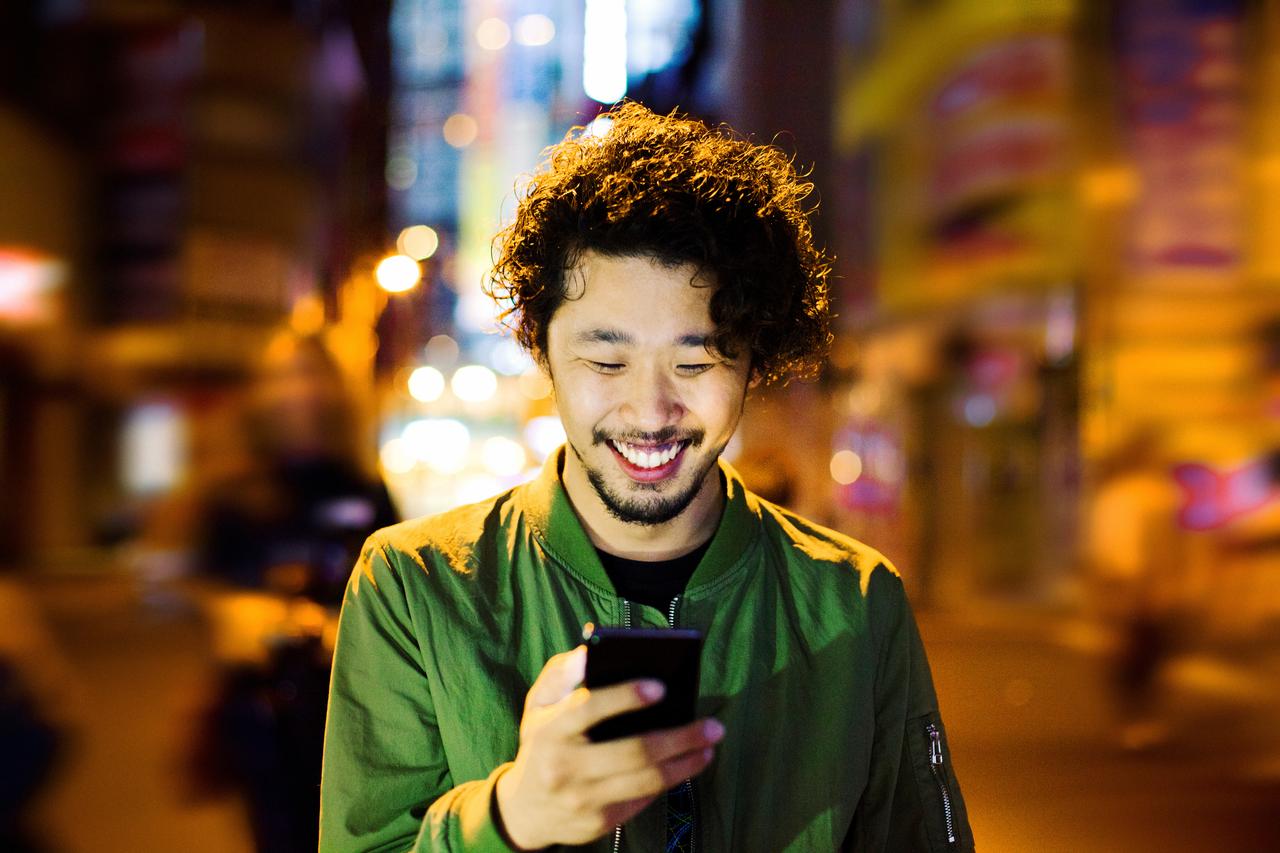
[
  {"x": 442, "y": 443},
  {"x": 476, "y": 487},
  {"x": 396, "y": 456},
  {"x": 426, "y": 384},
  {"x": 397, "y": 273},
  {"x": 493, "y": 34},
  {"x": 503, "y": 457},
  {"x": 534, "y": 30},
  {"x": 846, "y": 467},
  {"x": 534, "y": 384},
  {"x": 418, "y": 242},
  {"x": 474, "y": 383},
  {"x": 460, "y": 130},
  {"x": 307, "y": 315}
]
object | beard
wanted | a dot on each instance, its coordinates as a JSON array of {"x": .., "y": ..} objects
[{"x": 646, "y": 504}]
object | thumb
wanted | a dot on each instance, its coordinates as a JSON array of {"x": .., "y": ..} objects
[{"x": 559, "y": 677}]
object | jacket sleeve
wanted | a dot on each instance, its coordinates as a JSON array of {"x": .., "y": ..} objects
[
  {"x": 386, "y": 784},
  {"x": 912, "y": 803}
]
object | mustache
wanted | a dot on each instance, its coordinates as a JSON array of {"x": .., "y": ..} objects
[{"x": 662, "y": 436}]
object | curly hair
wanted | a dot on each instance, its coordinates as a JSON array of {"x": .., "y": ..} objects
[{"x": 680, "y": 192}]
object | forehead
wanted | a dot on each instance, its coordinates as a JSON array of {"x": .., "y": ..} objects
[{"x": 637, "y": 293}]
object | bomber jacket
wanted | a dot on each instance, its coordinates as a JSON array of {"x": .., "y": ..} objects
[{"x": 811, "y": 660}]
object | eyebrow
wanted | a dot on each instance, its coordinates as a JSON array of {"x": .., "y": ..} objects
[{"x": 617, "y": 336}]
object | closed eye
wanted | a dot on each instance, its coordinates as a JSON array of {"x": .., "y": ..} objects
[
  {"x": 605, "y": 366},
  {"x": 694, "y": 369}
]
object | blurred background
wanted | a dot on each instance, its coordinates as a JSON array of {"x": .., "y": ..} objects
[{"x": 241, "y": 325}]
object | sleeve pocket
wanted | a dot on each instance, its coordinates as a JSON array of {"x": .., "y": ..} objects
[{"x": 944, "y": 814}]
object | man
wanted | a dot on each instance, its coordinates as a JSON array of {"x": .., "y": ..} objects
[{"x": 655, "y": 273}]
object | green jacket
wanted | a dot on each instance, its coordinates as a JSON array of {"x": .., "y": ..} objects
[{"x": 811, "y": 660}]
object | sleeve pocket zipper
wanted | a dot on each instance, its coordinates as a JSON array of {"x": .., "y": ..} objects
[{"x": 940, "y": 777}]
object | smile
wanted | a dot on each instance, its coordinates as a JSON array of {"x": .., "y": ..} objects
[{"x": 648, "y": 460}]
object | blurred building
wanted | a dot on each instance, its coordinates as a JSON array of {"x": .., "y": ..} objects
[
  {"x": 1051, "y": 230},
  {"x": 179, "y": 179}
]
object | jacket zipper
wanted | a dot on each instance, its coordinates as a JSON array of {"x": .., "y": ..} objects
[
  {"x": 935, "y": 765},
  {"x": 626, "y": 623},
  {"x": 688, "y": 783}
]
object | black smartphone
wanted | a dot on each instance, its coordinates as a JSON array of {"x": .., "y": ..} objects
[{"x": 669, "y": 655}]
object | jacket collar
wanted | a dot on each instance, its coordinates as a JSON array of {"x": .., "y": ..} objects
[{"x": 557, "y": 527}]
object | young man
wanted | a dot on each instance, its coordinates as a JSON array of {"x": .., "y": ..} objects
[{"x": 655, "y": 273}]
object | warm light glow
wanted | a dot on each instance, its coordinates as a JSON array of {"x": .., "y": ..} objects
[
  {"x": 476, "y": 487},
  {"x": 534, "y": 30},
  {"x": 544, "y": 434},
  {"x": 534, "y": 384},
  {"x": 27, "y": 284},
  {"x": 846, "y": 467},
  {"x": 474, "y": 383},
  {"x": 460, "y": 130},
  {"x": 396, "y": 456},
  {"x": 442, "y": 443},
  {"x": 604, "y": 51},
  {"x": 307, "y": 315},
  {"x": 503, "y": 457},
  {"x": 397, "y": 273},
  {"x": 493, "y": 34},
  {"x": 426, "y": 384},
  {"x": 418, "y": 242},
  {"x": 154, "y": 448}
]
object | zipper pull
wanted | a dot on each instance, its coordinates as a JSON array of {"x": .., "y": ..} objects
[{"x": 935, "y": 745}]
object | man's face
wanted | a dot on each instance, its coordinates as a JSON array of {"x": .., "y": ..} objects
[{"x": 646, "y": 408}]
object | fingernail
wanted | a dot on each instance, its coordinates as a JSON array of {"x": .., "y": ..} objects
[
  {"x": 652, "y": 690},
  {"x": 713, "y": 730}
]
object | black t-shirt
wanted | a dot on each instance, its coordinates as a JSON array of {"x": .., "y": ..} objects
[{"x": 651, "y": 582}]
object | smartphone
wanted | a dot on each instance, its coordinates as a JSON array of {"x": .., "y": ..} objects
[{"x": 669, "y": 655}]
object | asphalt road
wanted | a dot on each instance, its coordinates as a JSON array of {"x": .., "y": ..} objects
[{"x": 1038, "y": 750}]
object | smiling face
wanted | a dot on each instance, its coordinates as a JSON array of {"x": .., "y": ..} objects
[{"x": 647, "y": 409}]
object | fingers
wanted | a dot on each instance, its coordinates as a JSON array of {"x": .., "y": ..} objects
[
  {"x": 652, "y": 780},
  {"x": 560, "y": 675},
  {"x": 629, "y": 754},
  {"x": 585, "y": 708}
]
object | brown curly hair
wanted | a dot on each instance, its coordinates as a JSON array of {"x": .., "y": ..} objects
[{"x": 676, "y": 190}]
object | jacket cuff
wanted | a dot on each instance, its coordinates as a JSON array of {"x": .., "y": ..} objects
[{"x": 479, "y": 820}]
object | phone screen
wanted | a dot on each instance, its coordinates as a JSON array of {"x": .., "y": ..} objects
[{"x": 669, "y": 655}]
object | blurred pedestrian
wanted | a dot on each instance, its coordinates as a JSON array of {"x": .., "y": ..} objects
[
  {"x": 36, "y": 714},
  {"x": 280, "y": 536},
  {"x": 1136, "y": 552}
]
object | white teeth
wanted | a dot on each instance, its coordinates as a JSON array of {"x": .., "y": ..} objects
[{"x": 646, "y": 459}]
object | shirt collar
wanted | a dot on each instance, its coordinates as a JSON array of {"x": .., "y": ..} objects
[{"x": 557, "y": 527}]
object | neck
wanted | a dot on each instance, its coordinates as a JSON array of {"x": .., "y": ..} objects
[{"x": 651, "y": 542}]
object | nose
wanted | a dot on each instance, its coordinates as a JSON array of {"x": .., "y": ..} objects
[{"x": 652, "y": 402}]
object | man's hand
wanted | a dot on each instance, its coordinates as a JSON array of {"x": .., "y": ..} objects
[{"x": 565, "y": 789}]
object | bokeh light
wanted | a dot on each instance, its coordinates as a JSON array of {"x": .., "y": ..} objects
[
  {"x": 426, "y": 384},
  {"x": 418, "y": 242},
  {"x": 474, "y": 383},
  {"x": 397, "y": 273}
]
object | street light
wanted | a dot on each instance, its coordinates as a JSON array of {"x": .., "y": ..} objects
[{"x": 397, "y": 273}]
